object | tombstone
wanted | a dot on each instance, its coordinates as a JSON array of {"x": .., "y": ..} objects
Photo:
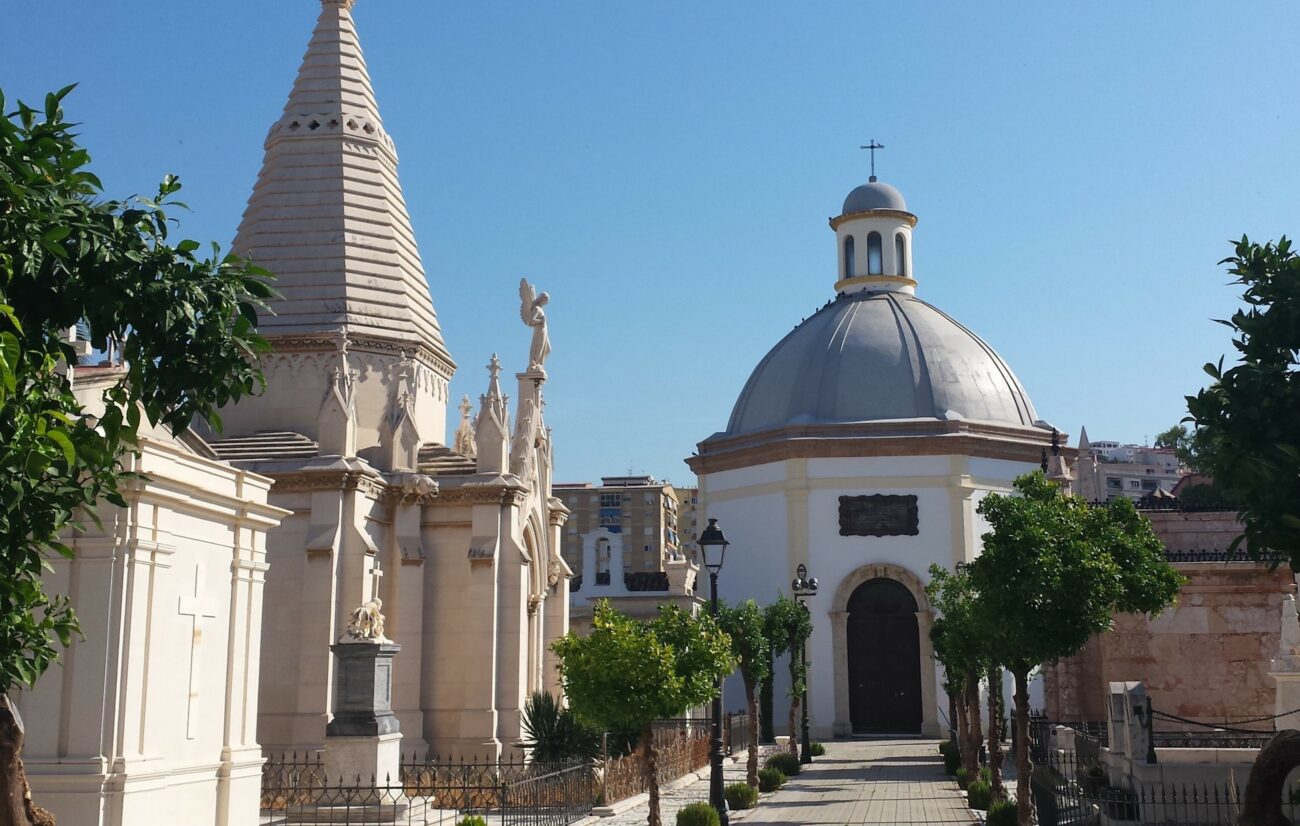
[
  {"x": 1127, "y": 716},
  {"x": 364, "y": 738}
]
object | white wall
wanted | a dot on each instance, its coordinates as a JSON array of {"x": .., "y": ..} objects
[{"x": 779, "y": 514}]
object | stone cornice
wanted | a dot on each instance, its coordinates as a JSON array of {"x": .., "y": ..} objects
[
  {"x": 556, "y": 512},
  {"x": 507, "y": 494},
  {"x": 367, "y": 483},
  {"x": 859, "y": 280},
  {"x": 912, "y": 437},
  {"x": 435, "y": 359},
  {"x": 898, "y": 214}
]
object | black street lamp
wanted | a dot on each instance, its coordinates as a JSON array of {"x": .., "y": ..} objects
[
  {"x": 713, "y": 548},
  {"x": 803, "y": 588}
]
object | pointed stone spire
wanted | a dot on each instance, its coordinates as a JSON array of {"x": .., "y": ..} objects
[
  {"x": 327, "y": 215},
  {"x": 492, "y": 429}
]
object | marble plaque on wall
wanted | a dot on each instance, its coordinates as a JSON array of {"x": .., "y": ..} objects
[{"x": 878, "y": 515}]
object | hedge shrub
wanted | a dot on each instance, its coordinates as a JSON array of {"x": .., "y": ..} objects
[
  {"x": 951, "y": 762},
  {"x": 741, "y": 796},
  {"x": 817, "y": 749},
  {"x": 698, "y": 814},
  {"x": 769, "y": 780},
  {"x": 471, "y": 820},
  {"x": 784, "y": 762},
  {"x": 979, "y": 795},
  {"x": 963, "y": 778},
  {"x": 1001, "y": 813}
]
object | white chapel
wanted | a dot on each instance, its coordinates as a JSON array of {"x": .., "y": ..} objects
[{"x": 861, "y": 446}]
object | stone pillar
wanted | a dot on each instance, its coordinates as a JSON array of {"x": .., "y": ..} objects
[{"x": 364, "y": 738}]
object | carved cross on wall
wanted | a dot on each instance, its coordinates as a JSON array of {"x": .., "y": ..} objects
[
  {"x": 198, "y": 609},
  {"x": 376, "y": 573}
]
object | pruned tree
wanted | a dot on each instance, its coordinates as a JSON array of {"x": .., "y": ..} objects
[
  {"x": 1248, "y": 417},
  {"x": 789, "y": 626},
  {"x": 626, "y": 674},
  {"x": 1053, "y": 572},
  {"x": 745, "y": 625},
  {"x": 183, "y": 326},
  {"x": 959, "y": 644}
]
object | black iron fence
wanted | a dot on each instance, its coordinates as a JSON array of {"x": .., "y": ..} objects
[
  {"x": 296, "y": 789},
  {"x": 1068, "y": 790}
]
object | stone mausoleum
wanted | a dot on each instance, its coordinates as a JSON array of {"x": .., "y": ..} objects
[{"x": 861, "y": 446}]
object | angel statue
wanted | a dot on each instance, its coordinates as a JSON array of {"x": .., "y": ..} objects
[{"x": 530, "y": 310}]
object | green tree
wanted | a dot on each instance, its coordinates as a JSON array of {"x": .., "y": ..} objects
[
  {"x": 1249, "y": 414},
  {"x": 960, "y": 645},
  {"x": 788, "y": 626},
  {"x": 183, "y": 325},
  {"x": 1053, "y": 572},
  {"x": 626, "y": 674},
  {"x": 745, "y": 625}
]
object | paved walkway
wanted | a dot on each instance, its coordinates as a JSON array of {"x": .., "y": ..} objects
[{"x": 876, "y": 781}]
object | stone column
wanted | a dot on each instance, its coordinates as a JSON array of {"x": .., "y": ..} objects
[{"x": 929, "y": 679}]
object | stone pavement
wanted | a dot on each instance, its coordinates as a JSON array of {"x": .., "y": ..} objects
[{"x": 870, "y": 781}]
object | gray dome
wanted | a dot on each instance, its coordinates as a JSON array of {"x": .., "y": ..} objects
[
  {"x": 874, "y": 195},
  {"x": 875, "y": 356}
]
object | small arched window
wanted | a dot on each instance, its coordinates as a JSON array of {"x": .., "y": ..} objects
[
  {"x": 875, "y": 263},
  {"x": 848, "y": 257},
  {"x": 602, "y": 558},
  {"x": 900, "y": 253}
]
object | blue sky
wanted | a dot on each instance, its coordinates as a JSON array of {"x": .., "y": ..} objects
[{"x": 666, "y": 170}]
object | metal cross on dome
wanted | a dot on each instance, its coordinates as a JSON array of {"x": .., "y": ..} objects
[{"x": 873, "y": 146}]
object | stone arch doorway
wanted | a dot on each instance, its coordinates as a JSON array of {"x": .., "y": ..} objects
[{"x": 884, "y": 653}]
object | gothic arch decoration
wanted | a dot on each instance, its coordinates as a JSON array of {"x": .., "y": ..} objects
[{"x": 839, "y": 614}]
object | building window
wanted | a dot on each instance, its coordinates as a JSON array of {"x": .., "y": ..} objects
[
  {"x": 1134, "y": 483},
  {"x": 1112, "y": 482},
  {"x": 611, "y": 500},
  {"x": 875, "y": 263},
  {"x": 848, "y": 257},
  {"x": 602, "y": 559},
  {"x": 900, "y": 253}
]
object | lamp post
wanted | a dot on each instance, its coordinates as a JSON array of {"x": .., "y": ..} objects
[
  {"x": 713, "y": 547},
  {"x": 803, "y": 587}
]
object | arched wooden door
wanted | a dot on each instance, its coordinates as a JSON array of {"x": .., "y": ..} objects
[{"x": 884, "y": 659}]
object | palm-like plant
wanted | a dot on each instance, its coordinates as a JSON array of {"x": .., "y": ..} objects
[{"x": 553, "y": 734}]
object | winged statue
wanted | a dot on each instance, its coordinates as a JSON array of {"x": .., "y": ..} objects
[{"x": 530, "y": 310}]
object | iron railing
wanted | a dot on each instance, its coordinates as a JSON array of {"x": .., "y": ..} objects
[
  {"x": 296, "y": 789},
  {"x": 1067, "y": 790}
]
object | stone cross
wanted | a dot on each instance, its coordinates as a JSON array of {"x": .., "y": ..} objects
[{"x": 198, "y": 609}]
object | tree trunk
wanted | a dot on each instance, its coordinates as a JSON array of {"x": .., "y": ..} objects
[
  {"x": 970, "y": 758},
  {"x": 751, "y": 706},
  {"x": 766, "y": 717},
  {"x": 995, "y": 732},
  {"x": 16, "y": 806},
  {"x": 963, "y": 730},
  {"x": 1264, "y": 789},
  {"x": 1024, "y": 805},
  {"x": 794, "y": 702},
  {"x": 794, "y": 728},
  {"x": 649, "y": 764}
]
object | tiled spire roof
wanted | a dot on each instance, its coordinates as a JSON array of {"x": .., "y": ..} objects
[{"x": 327, "y": 215}]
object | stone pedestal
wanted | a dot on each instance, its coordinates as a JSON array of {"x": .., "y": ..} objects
[
  {"x": 364, "y": 738},
  {"x": 1285, "y": 670}
]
